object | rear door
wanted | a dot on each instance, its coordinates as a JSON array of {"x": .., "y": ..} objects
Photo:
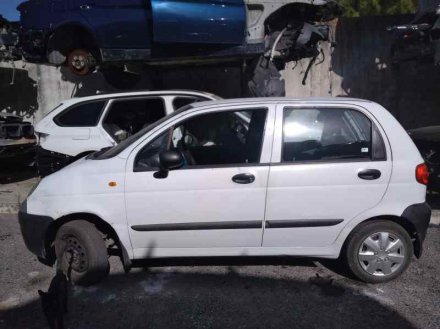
[
  {"x": 329, "y": 165},
  {"x": 195, "y": 21}
]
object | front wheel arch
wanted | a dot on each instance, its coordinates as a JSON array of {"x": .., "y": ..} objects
[{"x": 101, "y": 225}]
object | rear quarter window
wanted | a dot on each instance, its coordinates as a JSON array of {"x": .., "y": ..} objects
[{"x": 81, "y": 115}]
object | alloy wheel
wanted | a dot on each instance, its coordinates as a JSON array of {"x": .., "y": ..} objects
[{"x": 381, "y": 254}]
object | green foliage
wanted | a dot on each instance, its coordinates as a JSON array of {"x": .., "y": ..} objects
[{"x": 355, "y": 8}]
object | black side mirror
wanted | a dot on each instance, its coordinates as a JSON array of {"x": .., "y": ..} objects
[{"x": 169, "y": 160}]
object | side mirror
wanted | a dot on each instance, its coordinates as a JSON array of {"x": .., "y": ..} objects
[{"x": 169, "y": 160}]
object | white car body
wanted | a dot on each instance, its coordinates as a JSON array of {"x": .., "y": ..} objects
[
  {"x": 281, "y": 192},
  {"x": 73, "y": 141}
]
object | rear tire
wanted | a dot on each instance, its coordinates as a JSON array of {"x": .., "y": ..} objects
[
  {"x": 81, "y": 252},
  {"x": 378, "y": 251}
]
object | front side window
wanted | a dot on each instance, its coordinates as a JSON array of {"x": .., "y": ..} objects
[
  {"x": 326, "y": 134},
  {"x": 128, "y": 116},
  {"x": 221, "y": 138},
  {"x": 81, "y": 115}
]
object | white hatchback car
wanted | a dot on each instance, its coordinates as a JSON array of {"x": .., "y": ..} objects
[
  {"x": 324, "y": 178},
  {"x": 80, "y": 126}
]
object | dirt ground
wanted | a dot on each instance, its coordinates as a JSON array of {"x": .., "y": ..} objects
[{"x": 283, "y": 293}]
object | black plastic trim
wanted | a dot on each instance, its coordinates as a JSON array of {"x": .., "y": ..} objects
[
  {"x": 33, "y": 228},
  {"x": 199, "y": 226},
  {"x": 311, "y": 162},
  {"x": 419, "y": 215},
  {"x": 302, "y": 223}
]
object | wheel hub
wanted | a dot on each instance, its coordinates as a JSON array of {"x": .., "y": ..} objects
[
  {"x": 381, "y": 254},
  {"x": 75, "y": 254},
  {"x": 79, "y": 62}
]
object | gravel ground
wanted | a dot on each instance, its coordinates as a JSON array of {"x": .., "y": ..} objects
[{"x": 240, "y": 295}]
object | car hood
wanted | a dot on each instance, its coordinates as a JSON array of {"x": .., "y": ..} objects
[{"x": 82, "y": 177}]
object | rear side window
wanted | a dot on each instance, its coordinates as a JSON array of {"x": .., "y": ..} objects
[
  {"x": 81, "y": 115},
  {"x": 179, "y": 102},
  {"x": 328, "y": 135}
]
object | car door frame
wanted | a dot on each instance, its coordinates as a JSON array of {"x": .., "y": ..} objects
[
  {"x": 265, "y": 157},
  {"x": 276, "y": 160},
  {"x": 279, "y": 121}
]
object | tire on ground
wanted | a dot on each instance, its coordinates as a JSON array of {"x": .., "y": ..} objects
[
  {"x": 95, "y": 251},
  {"x": 355, "y": 240}
]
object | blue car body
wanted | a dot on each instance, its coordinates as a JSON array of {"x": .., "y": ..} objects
[
  {"x": 119, "y": 26},
  {"x": 85, "y": 33}
]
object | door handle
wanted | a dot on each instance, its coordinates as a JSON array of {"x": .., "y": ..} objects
[
  {"x": 243, "y": 179},
  {"x": 369, "y": 174}
]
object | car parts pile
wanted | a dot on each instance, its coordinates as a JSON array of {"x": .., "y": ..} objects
[
  {"x": 17, "y": 139},
  {"x": 295, "y": 34}
]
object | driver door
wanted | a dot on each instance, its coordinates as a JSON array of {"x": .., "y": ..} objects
[{"x": 217, "y": 199}]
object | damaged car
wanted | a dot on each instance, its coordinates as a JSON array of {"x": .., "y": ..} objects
[
  {"x": 17, "y": 140},
  {"x": 80, "y": 126},
  {"x": 84, "y": 35},
  {"x": 420, "y": 39},
  {"x": 334, "y": 178}
]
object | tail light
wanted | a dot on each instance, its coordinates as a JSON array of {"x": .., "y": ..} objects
[{"x": 422, "y": 174}]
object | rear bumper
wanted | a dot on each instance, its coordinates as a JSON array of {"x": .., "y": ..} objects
[
  {"x": 434, "y": 177},
  {"x": 419, "y": 216},
  {"x": 49, "y": 162},
  {"x": 33, "y": 229}
]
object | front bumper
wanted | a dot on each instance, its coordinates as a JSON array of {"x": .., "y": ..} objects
[
  {"x": 419, "y": 216},
  {"x": 33, "y": 229}
]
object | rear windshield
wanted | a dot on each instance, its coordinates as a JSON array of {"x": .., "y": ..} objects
[{"x": 114, "y": 151}]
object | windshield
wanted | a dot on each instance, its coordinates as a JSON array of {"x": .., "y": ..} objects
[{"x": 114, "y": 151}]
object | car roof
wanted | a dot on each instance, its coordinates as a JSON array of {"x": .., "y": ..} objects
[
  {"x": 265, "y": 100},
  {"x": 180, "y": 92}
]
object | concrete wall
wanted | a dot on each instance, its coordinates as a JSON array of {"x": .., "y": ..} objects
[{"x": 357, "y": 67}]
